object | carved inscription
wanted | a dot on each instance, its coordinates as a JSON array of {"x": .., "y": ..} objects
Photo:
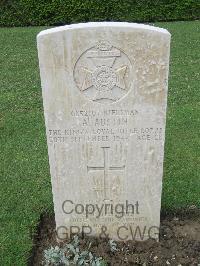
[
  {"x": 105, "y": 125},
  {"x": 105, "y": 134}
]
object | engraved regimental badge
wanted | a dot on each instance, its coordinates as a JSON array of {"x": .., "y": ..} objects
[{"x": 102, "y": 73}]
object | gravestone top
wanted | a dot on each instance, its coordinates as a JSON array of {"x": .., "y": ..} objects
[
  {"x": 126, "y": 25},
  {"x": 104, "y": 88}
]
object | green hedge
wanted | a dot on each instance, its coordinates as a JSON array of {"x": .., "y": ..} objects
[{"x": 59, "y": 12}]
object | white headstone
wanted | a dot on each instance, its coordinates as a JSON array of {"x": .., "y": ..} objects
[{"x": 105, "y": 96}]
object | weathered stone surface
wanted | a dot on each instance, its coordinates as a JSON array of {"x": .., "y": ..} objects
[{"x": 105, "y": 95}]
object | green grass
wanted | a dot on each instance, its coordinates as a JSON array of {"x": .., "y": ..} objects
[{"x": 25, "y": 189}]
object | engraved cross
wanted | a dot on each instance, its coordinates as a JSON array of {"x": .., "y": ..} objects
[{"x": 105, "y": 168}]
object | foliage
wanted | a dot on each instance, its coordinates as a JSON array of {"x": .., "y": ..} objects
[
  {"x": 59, "y": 12},
  {"x": 71, "y": 254},
  {"x": 55, "y": 256},
  {"x": 113, "y": 245}
]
